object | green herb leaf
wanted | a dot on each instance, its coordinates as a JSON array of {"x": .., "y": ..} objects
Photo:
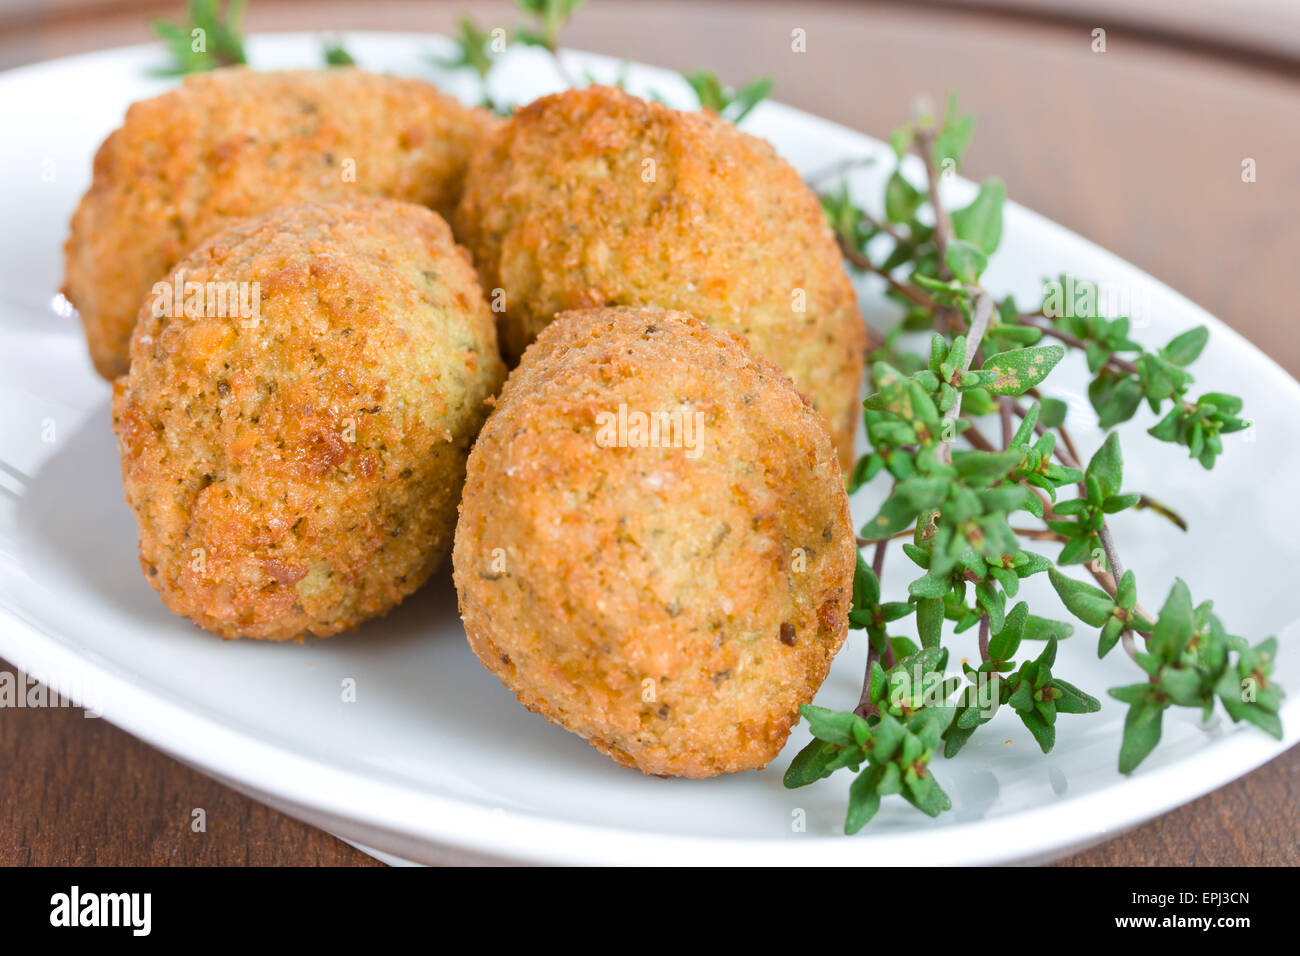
[
  {"x": 1141, "y": 731},
  {"x": 902, "y": 199},
  {"x": 1184, "y": 349},
  {"x": 980, "y": 223},
  {"x": 965, "y": 260},
  {"x": 1107, "y": 466},
  {"x": 1021, "y": 369},
  {"x": 864, "y": 800},
  {"x": 833, "y": 726},
  {"x": 1089, "y": 604}
]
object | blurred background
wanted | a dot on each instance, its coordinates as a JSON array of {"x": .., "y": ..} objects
[{"x": 1139, "y": 148}]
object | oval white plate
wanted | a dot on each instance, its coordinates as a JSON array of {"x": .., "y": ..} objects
[{"x": 435, "y": 759}]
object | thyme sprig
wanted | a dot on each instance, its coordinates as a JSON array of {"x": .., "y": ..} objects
[
  {"x": 954, "y": 493},
  {"x": 731, "y": 104},
  {"x": 477, "y": 49},
  {"x": 211, "y": 37}
]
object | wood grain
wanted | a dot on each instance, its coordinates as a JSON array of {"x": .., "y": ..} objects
[
  {"x": 76, "y": 791},
  {"x": 1139, "y": 149}
]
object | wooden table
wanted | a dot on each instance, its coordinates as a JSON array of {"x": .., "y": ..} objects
[{"x": 1138, "y": 148}]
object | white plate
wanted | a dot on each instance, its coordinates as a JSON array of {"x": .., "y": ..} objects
[{"x": 435, "y": 759}]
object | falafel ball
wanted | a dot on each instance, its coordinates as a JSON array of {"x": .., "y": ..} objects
[
  {"x": 295, "y": 465},
  {"x": 235, "y": 143},
  {"x": 594, "y": 198},
  {"x": 654, "y": 548}
]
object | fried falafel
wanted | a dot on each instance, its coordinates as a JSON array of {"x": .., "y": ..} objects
[
  {"x": 654, "y": 548},
  {"x": 594, "y": 197},
  {"x": 235, "y": 143},
  {"x": 296, "y": 470}
]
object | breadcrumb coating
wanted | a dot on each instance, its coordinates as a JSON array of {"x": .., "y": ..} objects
[
  {"x": 234, "y": 143},
  {"x": 594, "y": 197},
  {"x": 675, "y": 601},
  {"x": 297, "y": 472}
]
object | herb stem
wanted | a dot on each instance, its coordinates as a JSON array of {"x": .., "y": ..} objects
[
  {"x": 1065, "y": 450},
  {"x": 882, "y": 226},
  {"x": 942, "y": 221},
  {"x": 859, "y": 260},
  {"x": 1112, "y": 554},
  {"x": 973, "y": 435},
  {"x": 1114, "y": 361},
  {"x": 865, "y": 708},
  {"x": 1039, "y": 534},
  {"x": 1162, "y": 509},
  {"x": 1069, "y": 446},
  {"x": 566, "y": 77},
  {"x": 1066, "y": 453},
  {"x": 979, "y": 323}
]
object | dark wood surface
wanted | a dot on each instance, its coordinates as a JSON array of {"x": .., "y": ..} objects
[{"x": 1139, "y": 149}]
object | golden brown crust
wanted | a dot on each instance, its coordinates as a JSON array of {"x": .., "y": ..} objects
[
  {"x": 674, "y": 610},
  {"x": 593, "y": 197},
  {"x": 298, "y": 471},
  {"x": 235, "y": 143}
]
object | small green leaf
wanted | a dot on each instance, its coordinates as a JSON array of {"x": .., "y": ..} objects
[
  {"x": 1053, "y": 412},
  {"x": 1182, "y": 685},
  {"x": 1160, "y": 379},
  {"x": 1107, "y": 466},
  {"x": 1175, "y": 624},
  {"x": 929, "y": 621},
  {"x": 929, "y": 586},
  {"x": 1185, "y": 348},
  {"x": 902, "y": 199},
  {"x": 1003, "y": 644},
  {"x": 1126, "y": 591},
  {"x": 1141, "y": 732},
  {"x": 965, "y": 260},
  {"x": 980, "y": 223},
  {"x": 750, "y": 95},
  {"x": 832, "y": 726},
  {"x": 900, "y": 139},
  {"x": 1114, "y": 398},
  {"x": 895, "y": 515},
  {"x": 1233, "y": 695},
  {"x": 1111, "y": 632},
  {"x": 1089, "y": 604},
  {"x": 810, "y": 764},
  {"x": 1044, "y": 629},
  {"x": 867, "y": 467},
  {"x": 1043, "y": 732},
  {"x": 864, "y": 800},
  {"x": 866, "y": 586},
  {"x": 1021, "y": 369},
  {"x": 1073, "y": 700},
  {"x": 926, "y": 795},
  {"x": 985, "y": 466},
  {"x": 1117, "y": 503},
  {"x": 1022, "y": 698},
  {"x": 337, "y": 55}
]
